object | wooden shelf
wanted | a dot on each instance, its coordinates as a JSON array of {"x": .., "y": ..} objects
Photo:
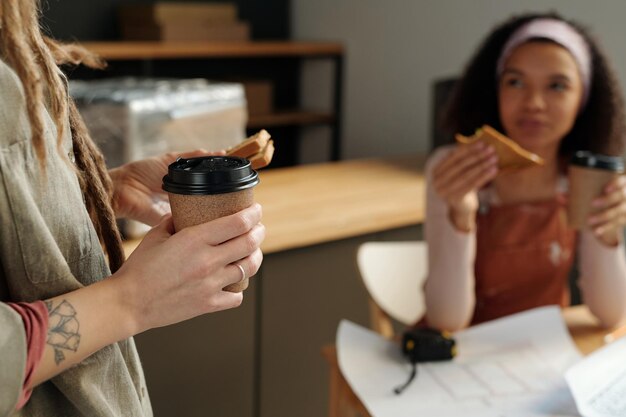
[
  {"x": 129, "y": 50},
  {"x": 289, "y": 118},
  {"x": 147, "y": 51}
]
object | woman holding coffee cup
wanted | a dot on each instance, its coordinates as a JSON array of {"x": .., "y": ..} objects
[
  {"x": 67, "y": 311},
  {"x": 500, "y": 242}
]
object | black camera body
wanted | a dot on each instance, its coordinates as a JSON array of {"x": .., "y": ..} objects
[{"x": 428, "y": 345}]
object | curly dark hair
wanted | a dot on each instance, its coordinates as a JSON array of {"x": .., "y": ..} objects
[{"x": 600, "y": 127}]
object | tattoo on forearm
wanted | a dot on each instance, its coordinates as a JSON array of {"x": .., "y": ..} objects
[{"x": 63, "y": 329}]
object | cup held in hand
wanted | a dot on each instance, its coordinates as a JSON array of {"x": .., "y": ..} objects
[
  {"x": 207, "y": 188},
  {"x": 588, "y": 174}
]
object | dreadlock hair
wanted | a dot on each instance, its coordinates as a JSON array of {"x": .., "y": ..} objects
[
  {"x": 35, "y": 59},
  {"x": 600, "y": 127}
]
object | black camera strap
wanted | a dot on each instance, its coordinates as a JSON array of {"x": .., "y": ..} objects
[{"x": 398, "y": 390}]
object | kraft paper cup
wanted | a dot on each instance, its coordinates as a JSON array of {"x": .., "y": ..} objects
[
  {"x": 588, "y": 174},
  {"x": 207, "y": 188}
]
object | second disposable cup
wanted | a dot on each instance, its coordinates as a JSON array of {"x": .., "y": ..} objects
[
  {"x": 588, "y": 174},
  {"x": 207, "y": 188}
]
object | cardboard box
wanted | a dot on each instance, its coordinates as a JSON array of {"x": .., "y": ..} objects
[
  {"x": 238, "y": 31},
  {"x": 161, "y": 13},
  {"x": 259, "y": 97}
]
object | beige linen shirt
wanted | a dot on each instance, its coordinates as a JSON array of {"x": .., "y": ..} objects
[{"x": 48, "y": 246}]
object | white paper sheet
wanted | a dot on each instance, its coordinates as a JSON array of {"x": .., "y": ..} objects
[
  {"x": 599, "y": 381},
  {"x": 510, "y": 367}
]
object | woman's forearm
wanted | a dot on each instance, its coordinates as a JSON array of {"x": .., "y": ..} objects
[
  {"x": 82, "y": 322},
  {"x": 168, "y": 278},
  {"x": 603, "y": 279},
  {"x": 449, "y": 288}
]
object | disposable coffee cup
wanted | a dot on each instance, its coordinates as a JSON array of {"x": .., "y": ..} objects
[
  {"x": 588, "y": 174},
  {"x": 207, "y": 188}
]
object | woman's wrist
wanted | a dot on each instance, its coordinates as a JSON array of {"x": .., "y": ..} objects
[
  {"x": 611, "y": 237},
  {"x": 462, "y": 220},
  {"x": 126, "y": 299},
  {"x": 83, "y": 322}
]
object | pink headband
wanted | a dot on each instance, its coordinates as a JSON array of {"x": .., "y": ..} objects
[{"x": 559, "y": 32}]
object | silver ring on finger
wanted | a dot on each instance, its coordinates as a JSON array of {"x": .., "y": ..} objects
[{"x": 243, "y": 271}]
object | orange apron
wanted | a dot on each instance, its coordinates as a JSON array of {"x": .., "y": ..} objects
[{"x": 523, "y": 258}]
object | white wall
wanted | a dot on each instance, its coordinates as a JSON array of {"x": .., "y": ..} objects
[{"x": 396, "y": 48}]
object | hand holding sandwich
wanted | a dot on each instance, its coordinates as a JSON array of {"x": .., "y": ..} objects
[
  {"x": 137, "y": 191},
  {"x": 459, "y": 176},
  {"x": 476, "y": 161}
]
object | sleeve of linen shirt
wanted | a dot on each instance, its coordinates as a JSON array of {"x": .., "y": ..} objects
[
  {"x": 35, "y": 318},
  {"x": 13, "y": 348},
  {"x": 449, "y": 288}
]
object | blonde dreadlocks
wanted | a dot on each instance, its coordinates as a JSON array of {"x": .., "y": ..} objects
[{"x": 35, "y": 58}]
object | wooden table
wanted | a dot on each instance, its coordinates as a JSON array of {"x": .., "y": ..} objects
[
  {"x": 584, "y": 329},
  {"x": 317, "y": 203}
]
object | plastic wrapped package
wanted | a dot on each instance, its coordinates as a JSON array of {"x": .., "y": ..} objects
[{"x": 133, "y": 118}]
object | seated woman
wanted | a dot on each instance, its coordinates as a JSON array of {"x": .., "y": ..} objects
[{"x": 500, "y": 244}]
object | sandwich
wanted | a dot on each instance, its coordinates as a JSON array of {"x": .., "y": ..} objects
[
  {"x": 263, "y": 157},
  {"x": 258, "y": 149},
  {"x": 510, "y": 154}
]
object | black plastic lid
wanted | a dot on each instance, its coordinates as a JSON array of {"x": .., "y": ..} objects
[
  {"x": 599, "y": 161},
  {"x": 209, "y": 175}
]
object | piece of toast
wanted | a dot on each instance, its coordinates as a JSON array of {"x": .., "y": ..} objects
[
  {"x": 250, "y": 146},
  {"x": 510, "y": 154},
  {"x": 258, "y": 149},
  {"x": 264, "y": 157}
]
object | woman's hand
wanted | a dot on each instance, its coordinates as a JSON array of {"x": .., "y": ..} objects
[
  {"x": 174, "y": 277},
  {"x": 167, "y": 279},
  {"x": 459, "y": 176},
  {"x": 137, "y": 187},
  {"x": 609, "y": 217}
]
